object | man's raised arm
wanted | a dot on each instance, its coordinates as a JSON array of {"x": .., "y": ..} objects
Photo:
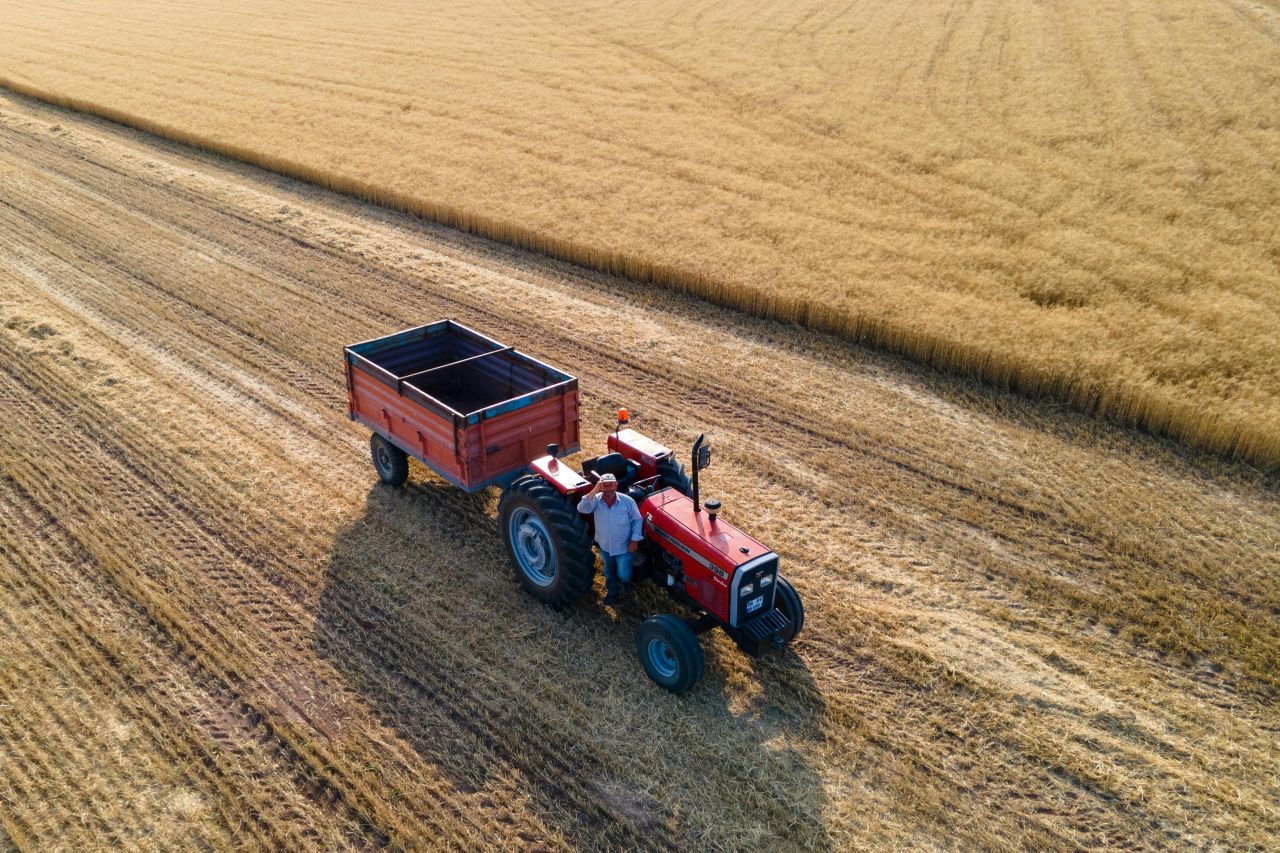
[{"x": 588, "y": 503}]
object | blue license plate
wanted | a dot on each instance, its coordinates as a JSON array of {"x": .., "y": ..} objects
[{"x": 755, "y": 604}]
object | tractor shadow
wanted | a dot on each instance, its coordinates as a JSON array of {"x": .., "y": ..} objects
[{"x": 506, "y": 700}]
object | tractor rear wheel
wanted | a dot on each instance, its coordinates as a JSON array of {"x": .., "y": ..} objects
[
  {"x": 669, "y": 652},
  {"x": 788, "y": 601},
  {"x": 391, "y": 462},
  {"x": 671, "y": 473},
  {"x": 548, "y": 542}
]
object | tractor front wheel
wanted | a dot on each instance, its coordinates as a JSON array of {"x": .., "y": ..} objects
[
  {"x": 669, "y": 652},
  {"x": 391, "y": 462},
  {"x": 548, "y": 542},
  {"x": 788, "y": 601}
]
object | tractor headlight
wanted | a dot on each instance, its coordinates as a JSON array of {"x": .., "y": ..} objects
[
  {"x": 747, "y": 589},
  {"x": 765, "y": 581}
]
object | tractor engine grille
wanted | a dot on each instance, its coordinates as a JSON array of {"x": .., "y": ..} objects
[{"x": 747, "y": 589}]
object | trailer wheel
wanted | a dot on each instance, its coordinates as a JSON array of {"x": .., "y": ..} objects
[
  {"x": 548, "y": 542},
  {"x": 391, "y": 462},
  {"x": 672, "y": 474},
  {"x": 788, "y": 601},
  {"x": 669, "y": 652}
]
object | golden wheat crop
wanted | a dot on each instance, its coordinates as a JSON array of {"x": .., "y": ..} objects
[{"x": 1079, "y": 203}]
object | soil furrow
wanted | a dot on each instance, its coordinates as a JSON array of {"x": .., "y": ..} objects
[
  {"x": 209, "y": 734},
  {"x": 191, "y": 619}
]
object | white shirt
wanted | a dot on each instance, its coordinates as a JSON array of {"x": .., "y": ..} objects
[{"x": 616, "y": 526}]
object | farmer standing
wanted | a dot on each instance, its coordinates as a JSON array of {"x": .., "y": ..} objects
[{"x": 618, "y": 534}]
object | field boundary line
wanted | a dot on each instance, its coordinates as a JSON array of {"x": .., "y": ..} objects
[{"x": 1163, "y": 416}]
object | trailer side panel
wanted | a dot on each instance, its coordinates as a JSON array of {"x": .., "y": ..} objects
[{"x": 407, "y": 386}]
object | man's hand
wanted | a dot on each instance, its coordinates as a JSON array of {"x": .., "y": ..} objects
[
  {"x": 595, "y": 490},
  {"x": 634, "y": 546}
]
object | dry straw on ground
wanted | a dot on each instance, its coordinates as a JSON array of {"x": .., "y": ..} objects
[
  {"x": 1025, "y": 630},
  {"x": 1076, "y": 203}
]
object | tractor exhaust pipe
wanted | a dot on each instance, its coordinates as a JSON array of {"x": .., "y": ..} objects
[{"x": 697, "y": 445}]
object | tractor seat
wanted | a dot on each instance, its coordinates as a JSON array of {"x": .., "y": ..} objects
[{"x": 617, "y": 465}]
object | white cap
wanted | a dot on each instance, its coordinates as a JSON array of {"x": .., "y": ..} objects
[{"x": 608, "y": 478}]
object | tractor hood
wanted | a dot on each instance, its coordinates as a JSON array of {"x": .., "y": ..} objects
[{"x": 717, "y": 543}]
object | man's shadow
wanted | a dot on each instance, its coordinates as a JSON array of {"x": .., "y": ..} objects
[{"x": 499, "y": 694}]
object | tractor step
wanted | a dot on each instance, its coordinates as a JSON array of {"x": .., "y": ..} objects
[{"x": 757, "y": 633}]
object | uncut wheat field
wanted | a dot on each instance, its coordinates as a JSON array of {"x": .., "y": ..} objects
[{"x": 1076, "y": 201}]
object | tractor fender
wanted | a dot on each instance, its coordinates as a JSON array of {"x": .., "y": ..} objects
[{"x": 562, "y": 477}]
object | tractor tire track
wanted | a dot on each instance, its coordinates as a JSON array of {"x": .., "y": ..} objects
[
  {"x": 216, "y": 648},
  {"x": 209, "y": 734}
]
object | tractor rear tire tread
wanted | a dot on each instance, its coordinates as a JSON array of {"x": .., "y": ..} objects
[
  {"x": 673, "y": 474},
  {"x": 683, "y": 644},
  {"x": 575, "y": 562}
]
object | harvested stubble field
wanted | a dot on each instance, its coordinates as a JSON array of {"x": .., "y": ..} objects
[
  {"x": 1026, "y": 629},
  {"x": 1078, "y": 202}
]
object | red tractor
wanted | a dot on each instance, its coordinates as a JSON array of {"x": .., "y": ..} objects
[
  {"x": 471, "y": 409},
  {"x": 725, "y": 577}
]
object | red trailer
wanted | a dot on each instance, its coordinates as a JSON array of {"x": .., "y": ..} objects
[{"x": 474, "y": 411}]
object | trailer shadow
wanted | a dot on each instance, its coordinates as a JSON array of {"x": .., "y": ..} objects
[{"x": 505, "y": 700}]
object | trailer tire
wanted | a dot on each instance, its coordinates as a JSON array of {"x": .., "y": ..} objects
[
  {"x": 391, "y": 463},
  {"x": 788, "y": 601},
  {"x": 671, "y": 473},
  {"x": 547, "y": 541},
  {"x": 669, "y": 652}
]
